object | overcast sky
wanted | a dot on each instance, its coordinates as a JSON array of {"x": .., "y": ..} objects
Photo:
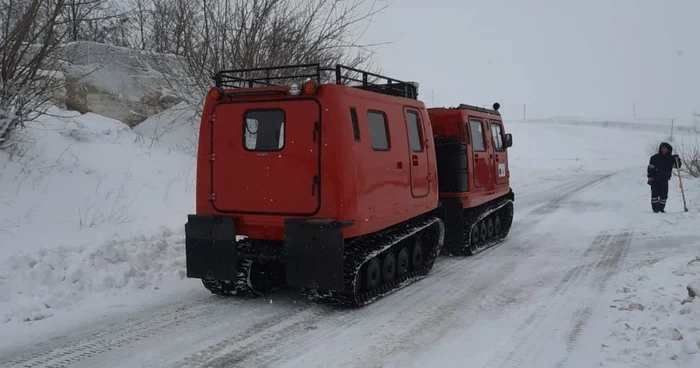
[{"x": 592, "y": 58}]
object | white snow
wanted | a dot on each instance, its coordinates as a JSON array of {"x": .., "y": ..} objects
[
  {"x": 176, "y": 128},
  {"x": 653, "y": 321},
  {"x": 91, "y": 229},
  {"x": 87, "y": 210}
]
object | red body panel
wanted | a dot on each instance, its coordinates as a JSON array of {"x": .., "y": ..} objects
[
  {"x": 374, "y": 188},
  {"x": 487, "y": 158}
]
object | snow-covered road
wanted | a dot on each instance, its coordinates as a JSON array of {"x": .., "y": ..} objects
[{"x": 529, "y": 302}]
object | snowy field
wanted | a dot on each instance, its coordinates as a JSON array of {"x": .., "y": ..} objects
[{"x": 92, "y": 268}]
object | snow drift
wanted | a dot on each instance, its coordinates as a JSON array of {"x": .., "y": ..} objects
[{"x": 87, "y": 209}]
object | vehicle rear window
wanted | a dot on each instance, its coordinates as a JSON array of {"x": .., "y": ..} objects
[{"x": 263, "y": 130}]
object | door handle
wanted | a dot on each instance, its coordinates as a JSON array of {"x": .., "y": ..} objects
[{"x": 415, "y": 160}]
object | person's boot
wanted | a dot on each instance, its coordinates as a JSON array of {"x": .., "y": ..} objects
[
  {"x": 662, "y": 205},
  {"x": 655, "y": 205}
]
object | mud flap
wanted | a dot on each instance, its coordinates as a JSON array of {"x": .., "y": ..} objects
[
  {"x": 210, "y": 247},
  {"x": 315, "y": 251}
]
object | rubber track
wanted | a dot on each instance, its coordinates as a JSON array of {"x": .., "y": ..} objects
[
  {"x": 470, "y": 223},
  {"x": 366, "y": 248}
]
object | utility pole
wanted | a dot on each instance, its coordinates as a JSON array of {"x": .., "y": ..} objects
[
  {"x": 524, "y": 112},
  {"x": 672, "y": 129},
  {"x": 432, "y": 97},
  {"x": 634, "y": 110}
]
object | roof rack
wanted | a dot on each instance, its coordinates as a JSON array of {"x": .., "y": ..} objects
[
  {"x": 341, "y": 74},
  {"x": 493, "y": 111}
]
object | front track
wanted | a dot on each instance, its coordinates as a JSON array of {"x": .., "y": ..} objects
[{"x": 482, "y": 227}]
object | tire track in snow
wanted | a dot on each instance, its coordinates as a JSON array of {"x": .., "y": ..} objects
[
  {"x": 268, "y": 335},
  {"x": 119, "y": 335},
  {"x": 432, "y": 320},
  {"x": 607, "y": 267},
  {"x": 608, "y": 249},
  {"x": 555, "y": 200}
]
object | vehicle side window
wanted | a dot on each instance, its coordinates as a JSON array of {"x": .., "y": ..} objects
[
  {"x": 263, "y": 130},
  {"x": 497, "y": 136},
  {"x": 477, "y": 135},
  {"x": 414, "y": 131},
  {"x": 355, "y": 124},
  {"x": 378, "y": 131}
]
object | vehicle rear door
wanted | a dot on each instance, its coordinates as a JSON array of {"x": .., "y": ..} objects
[
  {"x": 499, "y": 152},
  {"x": 481, "y": 170},
  {"x": 267, "y": 157},
  {"x": 420, "y": 167}
]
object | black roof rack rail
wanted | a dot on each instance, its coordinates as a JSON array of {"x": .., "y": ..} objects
[
  {"x": 493, "y": 111},
  {"x": 341, "y": 74},
  {"x": 377, "y": 83}
]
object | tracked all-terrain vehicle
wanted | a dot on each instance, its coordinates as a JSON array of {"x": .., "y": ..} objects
[{"x": 342, "y": 189}]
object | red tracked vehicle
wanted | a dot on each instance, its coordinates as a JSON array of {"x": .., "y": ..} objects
[
  {"x": 329, "y": 187},
  {"x": 472, "y": 162}
]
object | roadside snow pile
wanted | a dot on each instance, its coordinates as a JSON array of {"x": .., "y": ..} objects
[
  {"x": 655, "y": 322},
  {"x": 74, "y": 182},
  {"x": 35, "y": 285},
  {"x": 176, "y": 127}
]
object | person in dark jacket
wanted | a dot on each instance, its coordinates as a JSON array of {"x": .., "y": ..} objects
[{"x": 659, "y": 172}]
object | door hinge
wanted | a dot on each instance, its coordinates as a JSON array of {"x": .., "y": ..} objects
[
  {"x": 212, "y": 118},
  {"x": 212, "y": 197},
  {"x": 316, "y": 182},
  {"x": 212, "y": 156}
]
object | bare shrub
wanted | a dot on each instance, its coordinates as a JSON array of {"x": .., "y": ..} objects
[
  {"x": 689, "y": 151},
  {"x": 214, "y": 35},
  {"x": 29, "y": 36}
]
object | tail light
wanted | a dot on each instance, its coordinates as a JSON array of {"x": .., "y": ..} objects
[
  {"x": 215, "y": 94},
  {"x": 310, "y": 87}
]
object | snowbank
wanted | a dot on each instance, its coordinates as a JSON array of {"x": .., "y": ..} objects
[
  {"x": 117, "y": 82},
  {"x": 33, "y": 286},
  {"x": 654, "y": 321},
  {"x": 176, "y": 128},
  {"x": 73, "y": 195}
]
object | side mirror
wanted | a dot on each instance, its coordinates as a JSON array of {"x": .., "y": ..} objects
[{"x": 509, "y": 140}]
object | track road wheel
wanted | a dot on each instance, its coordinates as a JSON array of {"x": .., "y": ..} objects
[
  {"x": 373, "y": 275},
  {"x": 417, "y": 253},
  {"x": 489, "y": 228},
  {"x": 402, "y": 262},
  {"x": 389, "y": 267},
  {"x": 483, "y": 231},
  {"x": 475, "y": 239},
  {"x": 497, "y": 225}
]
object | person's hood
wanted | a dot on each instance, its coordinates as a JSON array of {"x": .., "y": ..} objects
[{"x": 668, "y": 146}]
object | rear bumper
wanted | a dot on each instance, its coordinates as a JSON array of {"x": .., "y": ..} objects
[{"x": 210, "y": 247}]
